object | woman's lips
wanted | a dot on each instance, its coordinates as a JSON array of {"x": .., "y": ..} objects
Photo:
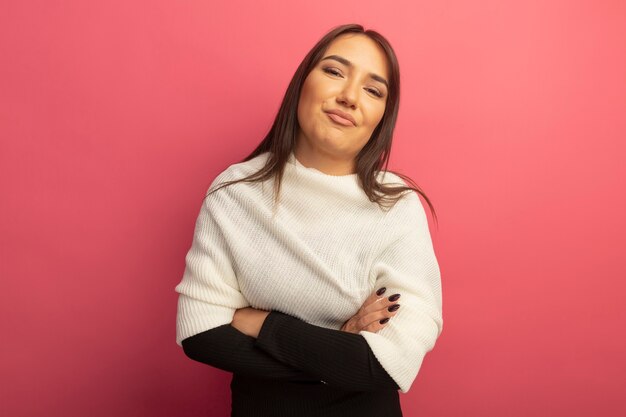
[{"x": 340, "y": 120}]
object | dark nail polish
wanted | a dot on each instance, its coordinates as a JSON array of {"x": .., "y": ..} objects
[
  {"x": 394, "y": 307},
  {"x": 381, "y": 291},
  {"x": 394, "y": 297},
  {"x": 383, "y": 321}
]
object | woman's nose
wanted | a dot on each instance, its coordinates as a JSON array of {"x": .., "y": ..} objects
[{"x": 349, "y": 95}]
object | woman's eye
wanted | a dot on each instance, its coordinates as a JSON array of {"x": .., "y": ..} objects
[
  {"x": 375, "y": 92},
  {"x": 335, "y": 72},
  {"x": 332, "y": 71}
]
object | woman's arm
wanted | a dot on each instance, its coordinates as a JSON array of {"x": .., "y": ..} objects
[
  {"x": 209, "y": 297},
  {"x": 340, "y": 359},
  {"x": 408, "y": 266},
  {"x": 226, "y": 348},
  {"x": 290, "y": 349}
]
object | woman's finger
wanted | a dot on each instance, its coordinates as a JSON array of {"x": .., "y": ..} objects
[
  {"x": 375, "y": 308},
  {"x": 376, "y": 320},
  {"x": 377, "y": 302}
]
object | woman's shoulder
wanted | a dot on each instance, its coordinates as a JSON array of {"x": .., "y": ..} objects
[
  {"x": 390, "y": 178},
  {"x": 408, "y": 211},
  {"x": 241, "y": 169}
]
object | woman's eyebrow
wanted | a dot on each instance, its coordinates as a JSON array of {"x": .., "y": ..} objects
[{"x": 347, "y": 63}]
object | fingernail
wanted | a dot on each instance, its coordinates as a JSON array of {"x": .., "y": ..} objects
[
  {"x": 394, "y": 307},
  {"x": 394, "y": 297},
  {"x": 381, "y": 291},
  {"x": 383, "y": 321}
]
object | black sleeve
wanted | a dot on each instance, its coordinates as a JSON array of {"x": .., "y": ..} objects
[
  {"x": 341, "y": 359},
  {"x": 226, "y": 348},
  {"x": 291, "y": 349}
]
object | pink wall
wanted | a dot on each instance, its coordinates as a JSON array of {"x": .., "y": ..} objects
[{"x": 115, "y": 117}]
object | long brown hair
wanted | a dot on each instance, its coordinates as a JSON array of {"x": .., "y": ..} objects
[{"x": 281, "y": 139}]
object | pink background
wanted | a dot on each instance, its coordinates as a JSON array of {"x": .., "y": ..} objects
[{"x": 115, "y": 117}]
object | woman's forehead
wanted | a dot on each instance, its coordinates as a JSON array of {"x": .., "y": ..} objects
[{"x": 359, "y": 51}]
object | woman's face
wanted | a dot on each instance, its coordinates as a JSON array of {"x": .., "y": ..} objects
[{"x": 350, "y": 78}]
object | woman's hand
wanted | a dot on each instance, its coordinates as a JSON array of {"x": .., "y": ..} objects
[
  {"x": 374, "y": 309},
  {"x": 249, "y": 320}
]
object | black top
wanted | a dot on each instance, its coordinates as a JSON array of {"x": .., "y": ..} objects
[{"x": 297, "y": 368}]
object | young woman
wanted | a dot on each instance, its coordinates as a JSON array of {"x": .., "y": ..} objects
[{"x": 295, "y": 246}]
